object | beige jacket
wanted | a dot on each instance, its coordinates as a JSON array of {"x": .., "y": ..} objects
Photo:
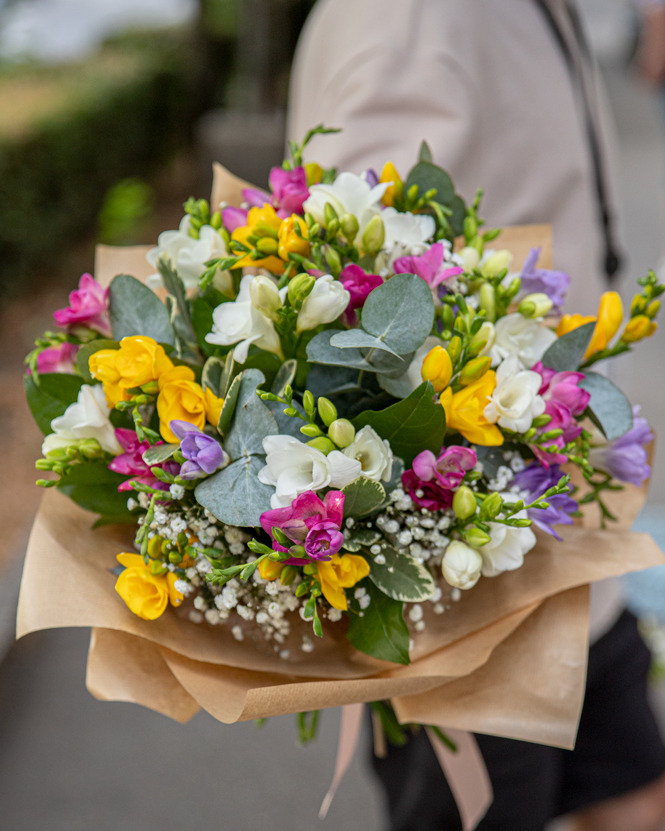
[{"x": 484, "y": 82}]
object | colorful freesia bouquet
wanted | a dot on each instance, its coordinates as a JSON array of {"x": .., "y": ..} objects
[{"x": 348, "y": 406}]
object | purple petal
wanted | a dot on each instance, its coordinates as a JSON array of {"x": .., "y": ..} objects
[{"x": 234, "y": 218}]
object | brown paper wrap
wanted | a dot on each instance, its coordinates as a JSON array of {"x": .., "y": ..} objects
[{"x": 508, "y": 659}]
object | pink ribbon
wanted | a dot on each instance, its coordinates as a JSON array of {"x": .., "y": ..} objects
[{"x": 465, "y": 769}]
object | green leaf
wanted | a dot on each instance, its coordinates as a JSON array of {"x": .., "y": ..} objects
[
  {"x": 136, "y": 310},
  {"x": 381, "y": 631},
  {"x": 211, "y": 376},
  {"x": 415, "y": 424},
  {"x": 356, "y": 338},
  {"x": 567, "y": 352},
  {"x": 400, "y": 312},
  {"x": 229, "y": 406},
  {"x": 202, "y": 324},
  {"x": 458, "y": 215},
  {"x": 425, "y": 154},
  {"x": 176, "y": 288},
  {"x": 94, "y": 487},
  {"x": 123, "y": 519},
  {"x": 159, "y": 453},
  {"x": 88, "y": 349},
  {"x": 252, "y": 420},
  {"x": 284, "y": 378},
  {"x": 265, "y": 362},
  {"x": 363, "y": 537},
  {"x": 362, "y": 496},
  {"x": 427, "y": 176},
  {"x": 401, "y": 577},
  {"x": 321, "y": 351},
  {"x": 235, "y": 495},
  {"x": 608, "y": 404},
  {"x": 227, "y": 375},
  {"x": 48, "y": 400}
]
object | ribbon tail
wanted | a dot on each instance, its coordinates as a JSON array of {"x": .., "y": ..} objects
[
  {"x": 349, "y": 733},
  {"x": 467, "y": 775}
]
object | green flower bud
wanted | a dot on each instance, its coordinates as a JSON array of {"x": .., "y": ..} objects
[
  {"x": 454, "y": 349},
  {"x": 155, "y": 547},
  {"x": 488, "y": 301},
  {"x": 476, "y": 537},
  {"x": 327, "y": 411},
  {"x": 299, "y": 288},
  {"x": 43, "y": 464},
  {"x": 323, "y": 444},
  {"x": 157, "y": 567},
  {"x": 175, "y": 557},
  {"x": 91, "y": 449},
  {"x": 350, "y": 227},
  {"x": 541, "y": 420},
  {"x": 535, "y": 305},
  {"x": 464, "y": 503},
  {"x": 268, "y": 246},
  {"x": 308, "y": 402},
  {"x": 495, "y": 264},
  {"x": 333, "y": 259},
  {"x": 447, "y": 316},
  {"x": 288, "y": 575},
  {"x": 470, "y": 258},
  {"x": 491, "y": 507},
  {"x": 281, "y": 537},
  {"x": 311, "y": 430},
  {"x": 373, "y": 236},
  {"x": 329, "y": 213},
  {"x": 342, "y": 432},
  {"x": 475, "y": 369},
  {"x": 652, "y": 309}
]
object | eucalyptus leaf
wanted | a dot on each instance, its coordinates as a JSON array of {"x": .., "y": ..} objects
[
  {"x": 397, "y": 387},
  {"x": 211, "y": 377},
  {"x": 136, "y": 310},
  {"x": 395, "y": 477},
  {"x": 381, "y": 631},
  {"x": 362, "y": 496},
  {"x": 227, "y": 375},
  {"x": 458, "y": 215},
  {"x": 285, "y": 377},
  {"x": 252, "y": 420},
  {"x": 427, "y": 176},
  {"x": 320, "y": 351},
  {"x": 356, "y": 338},
  {"x": 286, "y": 425},
  {"x": 567, "y": 352},
  {"x": 608, "y": 404},
  {"x": 401, "y": 577},
  {"x": 176, "y": 288},
  {"x": 229, "y": 406},
  {"x": 400, "y": 312},
  {"x": 415, "y": 424},
  {"x": 424, "y": 154},
  {"x": 186, "y": 349},
  {"x": 87, "y": 350},
  {"x": 159, "y": 453},
  {"x": 51, "y": 397},
  {"x": 235, "y": 495}
]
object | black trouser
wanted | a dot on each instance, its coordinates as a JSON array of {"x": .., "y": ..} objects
[{"x": 618, "y": 748}]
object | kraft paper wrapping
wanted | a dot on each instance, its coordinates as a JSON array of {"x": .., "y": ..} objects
[{"x": 508, "y": 659}]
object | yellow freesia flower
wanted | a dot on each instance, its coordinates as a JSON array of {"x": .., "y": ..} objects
[
  {"x": 608, "y": 320},
  {"x": 145, "y": 593},
  {"x": 390, "y": 174},
  {"x": 341, "y": 572},
  {"x": 181, "y": 398},
  {"x": 437, "y": 368},
  {"x": 138, "y": 361},
  {"x": 314, "y": 173},
  {"x": 638, "y": 327},
  {"x": 465, "y": 411},
  {"x": 267, "y": 218},
  {"x": 289, "y": 241}
]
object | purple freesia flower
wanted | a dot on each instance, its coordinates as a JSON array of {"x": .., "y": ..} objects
[
  {"x": 57, "y": 358},
  {"x": 289, "y": 189},
  {"x": 359, "y": 284},
  {"x": 428, "y": 266},
  {"x": 543, "y": 280},
  {"x": 370, "y": 176},
  {"x": 256, "y": 198},
  {"x": 625, "y": 458},
  {"x": 310, "y": 522},
  {"x": 234, "y": 218},
  {"x": 203, "y": 453},
  {"x": 535, "y": 480},
  {"x": 130, "y": 463},
  {"x": 88, "y": 306}
]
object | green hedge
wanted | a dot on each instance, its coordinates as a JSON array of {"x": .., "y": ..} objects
[{"x": 77, "y": 130}]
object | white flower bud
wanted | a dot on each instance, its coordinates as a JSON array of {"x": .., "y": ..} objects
[
  {"x": 470, "y": 258},
  {"x": 461, "y": 565},
  {"x": 535, "y": 305},
  {"x": 265, "y": 296},
  {"x": 496, "y": 263},
  {"x": 325, "y": 303}
]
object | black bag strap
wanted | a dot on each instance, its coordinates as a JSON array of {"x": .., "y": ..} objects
[{"x": 612, "y": 258}]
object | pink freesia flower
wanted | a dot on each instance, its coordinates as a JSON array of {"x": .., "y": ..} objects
[
  {"x": 130, "y": 463},
  {"x": 233, "y": 218},
  {"x": 448, "y": 469},
  {"x": 256, "y": 198},
  {"x": 359, "y": 284},
  {"x": 310, "y": 522},
  {"x": 57, "y": 359},
  {"x": 564, "y": 400},
  {"x": 430, "y": 495},
  {"x": 428, "y": 266},
  {"x": 289, "y": 189},
  {"x": 88, "y": 306}
]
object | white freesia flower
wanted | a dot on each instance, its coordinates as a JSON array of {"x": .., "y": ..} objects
[
  {"x": 243, "y": 324},
  {"x": 293, "y": 467},
  {"x": 515, "y": 401},
  {"x": 373, "y": 453},
  {"x": 508, "y": 545},
  {"x": 461, "y": 565},
  {"x": 348, "y": 194},
  {"x": 189, "y": 255},
  {"x": 325, "y": 303},
  {"x": 265, "y": 296},
  {"x": 408, "y": 231},
  {"x": 517, "y": 335},
  {"x": 87, "y": 418}
]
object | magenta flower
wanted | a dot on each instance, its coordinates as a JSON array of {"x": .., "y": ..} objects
[
  {"x": 310, "y": 522},
  {"x": 564, "y": 400},
  {"x": 256, "y": 198},
  {"x": 88, "y": 306},
  {"x": 428, "y": 266},
  {"x": 58, "y": 359},
  {"x": 430, "y": 495},
  {"x": 234, "y": 218},
  {"x": 359, "y": 284},
  {"x": 289, "y": 190},
  {"x": 448, "y": 469},
  {"x": 130, "y": 463}
]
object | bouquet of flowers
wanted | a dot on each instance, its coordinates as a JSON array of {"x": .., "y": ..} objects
[{"x": 330, "y": 411}]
